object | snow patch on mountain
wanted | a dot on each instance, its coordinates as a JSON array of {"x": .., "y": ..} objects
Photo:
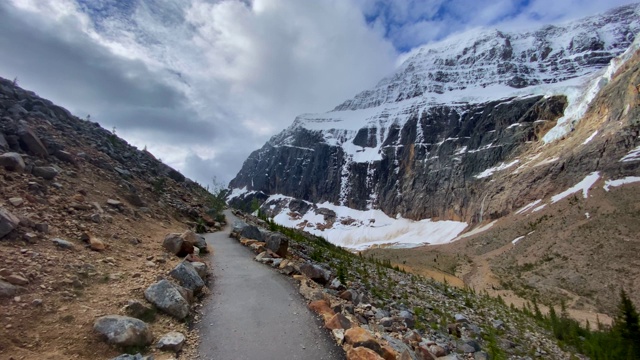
[
  {"x": 358, "y": 229},
  {"x": 619, "y": 182},
  {"x": 583, "y": 186}
]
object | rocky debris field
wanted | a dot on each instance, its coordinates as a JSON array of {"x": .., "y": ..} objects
[
  {"x": 377, "y": 312},
  {"x": 90, "y": 227}
]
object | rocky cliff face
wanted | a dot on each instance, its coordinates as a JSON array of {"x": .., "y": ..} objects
[{"x": 430, "y": 140}]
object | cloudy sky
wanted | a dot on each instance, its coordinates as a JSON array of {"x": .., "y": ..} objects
[{"x": 202, "y": 83}]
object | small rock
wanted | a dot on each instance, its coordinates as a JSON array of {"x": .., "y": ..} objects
[
  {"x": 201, "y": 268},
  {"x": 7, "y": 290},
  {"x": 172, "y": 341},
  {"x": 17, "y": 280},
  {"x": 63, "y": 244},
  {"x": 123, "y": 330},
  {"x": 30, "y": 237},
  {"x": 338, "y": 335},
  {"x": 8, "y": 222},
  {"x": 461, "y": 318},
  {"x": 96, "y": 218},
  {"x": 16, "y": 201},
  {"x": 37, "y": 302},
  {"x": 114, "y": 203},
  {"x": 137, "y": 310},
  {"x": 96, "y": 244},
  {"x": 42, "y": 227},
  {"x": 45, "y": 172},
  {"x": 12, "y": 161}
]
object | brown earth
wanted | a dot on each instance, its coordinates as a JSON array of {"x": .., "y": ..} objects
[{"x": 77, "y": 286}]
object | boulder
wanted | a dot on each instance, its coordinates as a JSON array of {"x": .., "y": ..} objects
[
  {"x": 358, "y": 336},
  {"x": 45, "y": 172},
  {"x": 7, "y": 290},
  {"x": 187, "y": 276},
  {"x": 194, "y": 239},
  {"x": 361, "y": 353},
  {"x": 123, "y": 330},
  {"x": 8, "y": 222},
  {"x": 461, "y": 319},
  {"x": 338, "y": 321},
  {"x": 251, "y": 232},
  {"x": 322, "y": 308},
  {"x": 201, "y": 268},
  {"x": 12, "y": 161},
  {"x": 422, "y": 353},
  {"x": 175, "y": 244},
  {"x": 30, "y": 142},
  {"x": 277, "y": 243},
  {"x": 315, "y": 273},
  {"x": 65, "y": 156},
  {"x": 166, "y": 297},
  {"x": 171, "y": 341}
]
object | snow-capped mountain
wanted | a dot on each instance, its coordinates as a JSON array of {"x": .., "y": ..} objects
[{"x": 435, "y": 139}]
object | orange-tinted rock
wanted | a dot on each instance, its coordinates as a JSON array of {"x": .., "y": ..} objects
[
  {"x": 96, "y": 244},
  {"x": 422, "y": 353},
  {"x": 362, "y": 353},
  {"x": 322, "y": 308},
  {"x": 358, "y": 336},
  {"x": 338, "y": 321},
  {"x": 388, "y": 353}
]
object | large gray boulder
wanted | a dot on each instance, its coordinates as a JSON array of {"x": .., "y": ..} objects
[
  {"x": 123, "y": 330},
  {"x": 187, "y": 276},
  {"x": 8, "y": 222},
  {"x": 251, "y": 232},
  {"x": 277, "y": 243},
  {"x": 166, "y": 297},
  {"x": 12, "y": 161},
  {"x": 316, "y": 273}
]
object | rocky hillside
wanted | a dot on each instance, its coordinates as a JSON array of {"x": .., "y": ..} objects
[{"x": 83, "y": 217}]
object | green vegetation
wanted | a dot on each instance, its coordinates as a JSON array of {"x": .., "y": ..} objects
[{"x": 621, "y": 341}]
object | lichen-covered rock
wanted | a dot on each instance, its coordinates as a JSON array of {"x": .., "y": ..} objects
[
  {"x": 171, "y": 341},
  {"x": 187, "y": 276},
  {"x": 123, "y": 330},
  {"x": 166, "y": 297}
]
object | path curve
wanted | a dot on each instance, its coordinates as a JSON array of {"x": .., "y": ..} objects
[{"x": 256, "y": 313}]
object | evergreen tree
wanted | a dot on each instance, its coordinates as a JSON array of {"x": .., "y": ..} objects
[{"x": 627, "y": 325}]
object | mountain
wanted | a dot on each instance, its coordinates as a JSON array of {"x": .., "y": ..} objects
[
  {"x": 509, "y": 143},
  {"x": 428, "y": 141}
]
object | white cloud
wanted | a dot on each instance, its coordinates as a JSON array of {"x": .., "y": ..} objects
[
  {"x": 218, "y": 78},
  {"x": 203, "y": 83}
]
